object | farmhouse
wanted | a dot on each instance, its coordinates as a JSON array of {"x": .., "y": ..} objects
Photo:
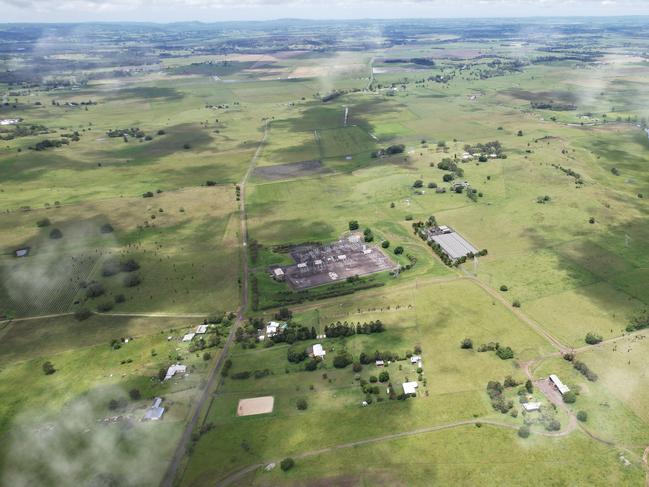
[
  {"x": 274, "y": 327},
  {"x": 531, "y": 406},
  {"x": 451, "y": 242},
  {"x": 189, "y": 337},
  {"x": 318, "y": 351},
  {"x": 410, "y": 387},
  {"x": 561, "y": 387},
  {"x": 201, "y": 329},
  {"x": 155, "y": 412},
  {"x": 175, "y": 369}
]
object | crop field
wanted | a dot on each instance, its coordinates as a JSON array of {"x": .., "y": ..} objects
[{"x": 156, "y": 185}]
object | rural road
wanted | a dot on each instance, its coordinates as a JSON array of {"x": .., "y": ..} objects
[
  {"x": 239, "y": 474},
  {"x": 211, "y": 386}
]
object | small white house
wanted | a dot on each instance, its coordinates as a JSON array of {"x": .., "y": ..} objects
[
  {"x": 189, "y": 337},
  {"x": 175, "y": 369},
  {"x": 342, "y": 257},
  {"x": 561, "y": 387},
  {"x": 301, "y": 265},
  {"x": 318, "y": 351},
  {"x": 531, "y": 406},
  {"x": 380, "y": 363},
  {"x": 279, "y": 273},
  {"x": 410, "y": 387},
  {"x": 415, "y": 359},
  {"x": 201, "y": 329}
]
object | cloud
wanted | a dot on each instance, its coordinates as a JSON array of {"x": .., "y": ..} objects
[{"x": 216, "y": 10}]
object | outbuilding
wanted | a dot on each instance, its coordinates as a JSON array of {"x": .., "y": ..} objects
[
  {"x": 380, "y": 363},
  {"x": 531, "y": 406},
  {"x": 175, "y": 369},
  {"x": 410, "y": 387},
  {"x": 561, "y": 387},
  {"x": 155, "y": 412},
  {"x": 189, "y": 337},
  {"x": 201, "y": 329},
  {"x": 318, "y": 351}
]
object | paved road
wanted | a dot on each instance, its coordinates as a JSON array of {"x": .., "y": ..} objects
[{"x": 179, "y": 454}]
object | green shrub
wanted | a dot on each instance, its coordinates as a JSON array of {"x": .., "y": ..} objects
[
  {"x": 593, "y": 338},
  {"x": 582, "y": 416},
  {"x": 287, "y": 464},
  {"x": 524, "y": 431},
  {"x": 302, "y": 404}
]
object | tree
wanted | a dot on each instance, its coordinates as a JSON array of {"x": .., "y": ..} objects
[
  {"x": 134, "y": 394},
  {"x": 384, "y": 376},
  {"x": 505, "y": 353},
  {"x": 131, "y": 280},
  {"x": 529, "y": 386},
  {"x": 504, "y": 288},
  {"x": 569, "y": 397},
  {"x": 106, "y": 228},
  {"x": 385, "y": 244},
  {"x": 287, "y": 464},
  {"x": 593, "y": 338},
  {"x": 353, "y": 225},
  {"x": 342, "y": 360},
  {"x": 520, "y": 133},
  {"x": 302, "y": 404},
  {"x": 82, "y": 314},
  {"x": 466, "y": 344},
  {"x": 207, "y": 356},
  {"x": 45, "y": 222},
  {"x": 55, "y": 234},
  {"x": 357, "y": 367},
  {"x": 95, "y": 290},
  {"x": 162, "y": 373},
  {"x": 398, "y": 250},
  {"x": 516, "y": 303},
  {"x": 448, "y": 177},
  {"x": 582, "y": 416},
  {"x": 524, "y": 431},
  {"x": 48, "y": 368},
  {"x": 553, "y": 425},
  {"x": 418, "y": 183}
]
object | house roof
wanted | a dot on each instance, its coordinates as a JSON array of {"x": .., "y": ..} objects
[
  {"x": 200, "y": 329},
  {"x": 278, "y": 272},
  {"x": 188, "y": 337},
  {"x": 154, "y": 413},
  {"x": 454, "y": 245},
  {"x": 175, "y": 369},
  {"x": 531, "y": 406},
  {"x": 410, "y": 387},
  {"x": 318, "y": 351},
  {"x": 559, "y": 385}
]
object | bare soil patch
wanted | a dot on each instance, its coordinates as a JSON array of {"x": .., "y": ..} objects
[{"x": 255, "y": 405}]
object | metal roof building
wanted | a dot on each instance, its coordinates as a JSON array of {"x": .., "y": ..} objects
[
  {"x": 454, "y": 245},
  {"x": 562, "y": 388},
  {"x": 155, "y": 412},
  {"x": 410, "y": 387}
]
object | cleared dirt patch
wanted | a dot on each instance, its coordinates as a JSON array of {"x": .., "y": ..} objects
[
  {"x": 255, "y": 405},
  {"x": 291, "y": 170}
]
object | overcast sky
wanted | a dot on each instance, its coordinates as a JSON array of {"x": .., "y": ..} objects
[{"x": 221, "y": 10}]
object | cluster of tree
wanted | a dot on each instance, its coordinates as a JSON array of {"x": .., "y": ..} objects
[
  {"x": 16, "y": 131},
  {"x": 553, "y": 105},
  {"x": 503, "y": 353},
  {"x": 493, "y": 147},
  {"x": 495, "y": 391},
  {"x": 543, "y": 199},
  {"x": 368, "y": 236},
  {"x": 246, "y": 374},
  {"x": 342, "y": 359},
  {"x": 585, "y": 371},
  {"x": 48, "y": 144},
  {"x": 134, "y": 132},
  {"x": 386, "y": 356},
  {"x": 391, "y": 150},
  {"x": 114, "y": 266},
  {"x": 448, "y": 164},
  {"x": 353, "y": 225},
  {"x": 213, "y": 340},
  {"x": 570, "y": 173},
  {"x": 639, "y": 322},
  {"x": 593, "y": 338},
  {"x": 421, "y": 61},
  {"x": 345, "y": 329}
]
